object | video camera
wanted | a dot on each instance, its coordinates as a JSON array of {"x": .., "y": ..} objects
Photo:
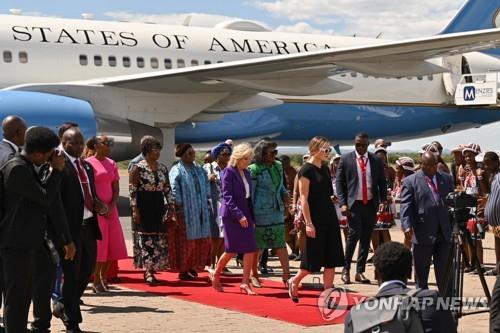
[{"x": 460, "y": 200}]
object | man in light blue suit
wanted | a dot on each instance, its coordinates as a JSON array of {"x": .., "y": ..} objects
[{"x": 425, "y": 219}]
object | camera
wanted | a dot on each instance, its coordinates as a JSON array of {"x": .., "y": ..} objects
[{"x": 460, "y": 200}]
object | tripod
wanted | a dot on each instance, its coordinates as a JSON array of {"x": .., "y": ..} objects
[{"x": 454, "y": 272}]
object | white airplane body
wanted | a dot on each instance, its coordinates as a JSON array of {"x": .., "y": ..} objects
[{"x": 160, "y": 75}]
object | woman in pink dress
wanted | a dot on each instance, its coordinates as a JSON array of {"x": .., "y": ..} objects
[{"x": 112, "y": 246}]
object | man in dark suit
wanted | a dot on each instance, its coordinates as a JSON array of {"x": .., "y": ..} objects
[
  {"x": 13, "y": 128},
  {"x": 425, "y": 219},
  {"x": 25, "y": 202},
  {"x": 81, "y": 206},
  {"x": 393, "y": 263},
  {"x": 45, "y": 263},
  {"x": 361, "y": 187}
]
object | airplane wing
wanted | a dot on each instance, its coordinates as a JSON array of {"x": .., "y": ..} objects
[
  {"x": 307, "y": 73},
  {"x": 237, "y": 85}
]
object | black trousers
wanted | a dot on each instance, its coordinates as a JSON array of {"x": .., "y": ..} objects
[
  {"x": 361, "y": 224},
  {"x": 18, "y": 267},
  {"x": 77, "y": 274},
  {"x": 495, "y": 307},
  {"x": 43, "y": 284}
]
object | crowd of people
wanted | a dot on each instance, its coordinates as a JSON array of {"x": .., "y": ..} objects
[{"x": 61, "y": 229}]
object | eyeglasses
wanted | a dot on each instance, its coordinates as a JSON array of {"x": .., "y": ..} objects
[{"x": 325, "y": 150}]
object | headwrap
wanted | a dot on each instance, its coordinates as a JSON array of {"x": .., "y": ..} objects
[
  {"x": 473, "y": 148},
  {"x": 380, "y": 149},
  {"x": 429, "y": 147},
  {"x": 219, "y": 149},
  {"x": 181, "y": 148},
  {"x": 406, "y": 163}
]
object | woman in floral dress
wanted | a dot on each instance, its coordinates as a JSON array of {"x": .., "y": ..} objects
[{"x": 152, "y": 207}]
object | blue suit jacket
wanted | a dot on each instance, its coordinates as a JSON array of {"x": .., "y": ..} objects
[
  {"x": 347, "y": 179},
  {"x": 420, "y": 211},
  {"x": 234, "y": 203}
]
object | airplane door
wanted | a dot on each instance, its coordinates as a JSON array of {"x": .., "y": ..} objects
[{"x": 458, "y": 66}]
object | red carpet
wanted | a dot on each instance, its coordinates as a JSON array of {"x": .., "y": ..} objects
[{"x": 272, "y": 301}]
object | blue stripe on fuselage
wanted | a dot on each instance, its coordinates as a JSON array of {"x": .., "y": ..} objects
[{"x": 339, "y": 122}]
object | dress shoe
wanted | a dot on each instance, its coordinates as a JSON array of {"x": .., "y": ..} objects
[
  {"x": 36, "y": 330},
  {"x": 360, "y": 277},
  {"x": 58, "y": 310},
  {"x": 73, "y": 329},
  {"x": 345, "y": 276}
]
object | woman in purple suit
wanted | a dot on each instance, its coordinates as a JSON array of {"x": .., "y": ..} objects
[{"x": 237, "y": 217}]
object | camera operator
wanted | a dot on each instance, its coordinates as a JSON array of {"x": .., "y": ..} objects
[
  {"x": 492, "y": 214},
  {"x": 469, "y": 176},
  {"x": 425, "y": 219}
]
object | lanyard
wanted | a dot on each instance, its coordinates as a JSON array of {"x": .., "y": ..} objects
[{"x": 432, "y": 185}]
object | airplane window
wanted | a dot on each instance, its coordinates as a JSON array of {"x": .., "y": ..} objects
[
  {"x": 180, "y": 63},
  {"x": 7, "y": 56},
  {"x": 23, "y": 57},
  {"x": 83, "y": 60},
  {"x": 430, "y": 77},
  {"x": 220, "y": 62},
  {"x": 126, "y": 61},
  {"x": 365, "y": 75},
  {"x": 97, "y": 60},
  {"x": 168, "y": 63},
  {"x": 112, "y": 61},
  {"x": 343, "y": 75},
  {"x": 140, "y": 62},
  {"x": 420, "y": 78},
  {"x": 154, "y": 63},
  {"x": 409, "y": 77},
  {"x": 207, "y": 62},
  {"x": 354, "y": 74},
  {"x": 194, "y": 62}
]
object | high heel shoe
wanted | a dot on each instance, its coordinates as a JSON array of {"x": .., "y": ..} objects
[
  {"x": 285, "y": 280},
  {"x": 244, "y": 287},
  {"x": 215, "y": 281},
  {"x": 291, "y": 285},
  {"x": 255, "y": 282}
]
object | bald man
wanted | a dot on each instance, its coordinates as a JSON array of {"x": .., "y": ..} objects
[
  {"x": 13, "y": 128},
  {"x": 425, "y": 219}
]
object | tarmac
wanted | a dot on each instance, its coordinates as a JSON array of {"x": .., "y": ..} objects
[{"x": 125, "y": 310}]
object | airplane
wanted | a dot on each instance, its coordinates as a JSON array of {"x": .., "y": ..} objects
[
  {"x": 130, "y": 79},
  {"x": 397, "y": 114}
]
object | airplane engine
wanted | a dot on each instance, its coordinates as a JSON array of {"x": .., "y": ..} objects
[{"x": 52, "y": 110}]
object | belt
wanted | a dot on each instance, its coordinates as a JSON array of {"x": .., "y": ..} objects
[{"x": 86, "y": 221}]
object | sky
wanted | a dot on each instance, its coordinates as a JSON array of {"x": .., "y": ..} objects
[{"x": 393, "y": 19}]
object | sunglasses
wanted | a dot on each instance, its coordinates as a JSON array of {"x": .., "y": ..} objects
[
  {"x": 273, "y": 152},
  {"x": 108, "y": 143},
  {"x": 325, "y": 150}
]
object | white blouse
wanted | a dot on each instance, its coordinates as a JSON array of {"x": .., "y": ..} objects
[{"x": 247, "y": 187}]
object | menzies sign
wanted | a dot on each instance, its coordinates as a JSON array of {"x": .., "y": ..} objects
[{"x": 477, "y": 89}]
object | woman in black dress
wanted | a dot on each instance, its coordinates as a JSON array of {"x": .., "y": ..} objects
[{"x": 323, "y": 243}]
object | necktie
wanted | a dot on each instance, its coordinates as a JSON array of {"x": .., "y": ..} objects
[
  {"x": 434, "y": 189},
  {"x": 364, "y": 185},
  {"x": 82, "y": 176}
]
